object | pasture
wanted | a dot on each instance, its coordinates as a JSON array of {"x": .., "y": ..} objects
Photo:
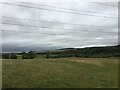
[{"x": 60, "y": 73}]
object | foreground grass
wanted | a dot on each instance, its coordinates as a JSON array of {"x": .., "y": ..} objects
[{"x": 60, "y": 73}]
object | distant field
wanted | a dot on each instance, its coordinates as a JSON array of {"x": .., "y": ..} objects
[{"x": 61, "y": 73}]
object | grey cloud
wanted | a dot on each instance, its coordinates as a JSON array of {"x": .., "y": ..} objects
[{"x": 43, "y": 38}]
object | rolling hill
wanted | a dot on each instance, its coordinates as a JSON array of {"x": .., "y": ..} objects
[{"x": 107, "y": 51}]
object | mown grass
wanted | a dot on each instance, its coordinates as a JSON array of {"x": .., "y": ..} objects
[{"x": 61, "y": 73}]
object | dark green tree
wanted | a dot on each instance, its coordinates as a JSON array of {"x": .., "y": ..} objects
[
  {"x": 5, "y": 56},
  {"x": 48, "y": 55},
  {"x": 31, "y": 54},
  {"x": 13, "y": 56},
  {"x": 24, "y": 55},
  {"x": 117, "y": 54}
]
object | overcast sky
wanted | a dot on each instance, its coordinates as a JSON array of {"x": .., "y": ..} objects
[{"x": 85, "y": 33}]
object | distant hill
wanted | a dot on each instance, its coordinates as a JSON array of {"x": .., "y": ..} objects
[
  {"x": 67, "y": 49},
  {"x": 107, "y": 51}
]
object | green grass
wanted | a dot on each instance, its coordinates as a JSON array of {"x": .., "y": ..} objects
[
  {"x": 40, "y": 56},
  {"x": 61, "y": 73}
]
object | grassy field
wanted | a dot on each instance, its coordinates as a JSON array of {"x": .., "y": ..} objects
[{"x": 61, "y": 73}]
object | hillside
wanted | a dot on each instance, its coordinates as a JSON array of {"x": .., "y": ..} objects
[{"x": 108, "y": 51}]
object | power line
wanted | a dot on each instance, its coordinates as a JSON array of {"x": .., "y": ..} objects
[
  {"x": 102, "y": 4},
  {"x": 34, "y": 26},
  {"x": 53, "y": 28},
  {"x": 29, "y": 32},
  {"x": 59, "y": 22},
  {"x": 58, "y": 10},
  {"x": 51, "y": 34},
  {"x": 72, "y": 34},
  {"x": 43, "y": 33},
  {"x": 67, "y": 8}
]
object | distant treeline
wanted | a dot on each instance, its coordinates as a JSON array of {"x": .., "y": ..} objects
[
  {"x": 9, "y": 56},
  {"x": 90, "y": 52},
  {"x": 24, "y": 55}
]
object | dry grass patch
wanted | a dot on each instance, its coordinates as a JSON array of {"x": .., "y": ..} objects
[{"x": 93, "y": 62}]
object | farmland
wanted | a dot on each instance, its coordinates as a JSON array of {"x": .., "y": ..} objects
[{"x": 71, "y": 72}]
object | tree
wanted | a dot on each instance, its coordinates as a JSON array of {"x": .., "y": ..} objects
[
  {"x": 5, "y": 56},
  {"x": 29, "y": 55},
  {"x": 48, "y": 54},
  {"x": 13, "y": 56},
  {"x": 24, "y": 55},
  {"x": 117, "y": 54}
]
